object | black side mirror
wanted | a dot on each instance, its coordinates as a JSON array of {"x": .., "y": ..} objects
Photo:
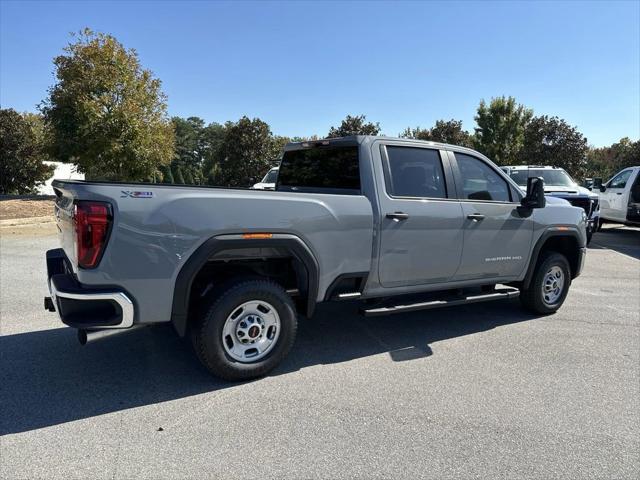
[
  {"x": 535, "y": 193},
  {"x": 597, "y": 184}
]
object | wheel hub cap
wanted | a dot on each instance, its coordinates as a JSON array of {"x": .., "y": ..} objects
[
  {"x": 251, "y": 331},
  {"x": 552, "y": 285},
  {"x": 250, "y": 328}
]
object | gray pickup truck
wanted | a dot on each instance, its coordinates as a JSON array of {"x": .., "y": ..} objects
[{"x": 397, "y": 224}]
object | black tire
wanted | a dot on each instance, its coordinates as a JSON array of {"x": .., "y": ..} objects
[
  {"x": 206, "y": 332},
  {"x": 532, "y": 298},
  {"x": 590, "y": 234}
]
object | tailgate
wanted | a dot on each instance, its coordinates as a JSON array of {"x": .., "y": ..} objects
[{"x": 63, "y": 210}]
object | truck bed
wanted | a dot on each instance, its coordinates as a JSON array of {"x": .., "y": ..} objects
[{"x": 157, "y": 227}]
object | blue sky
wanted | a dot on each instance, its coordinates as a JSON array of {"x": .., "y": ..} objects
[{"x": 302, "y": 66}]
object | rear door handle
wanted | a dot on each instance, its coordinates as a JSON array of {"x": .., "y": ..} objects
[
  {"x": 476, "y": 217},
  {"x": 398, "y": 215}
]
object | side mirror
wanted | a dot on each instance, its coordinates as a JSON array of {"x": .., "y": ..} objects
[
  {"x": 597, "y": 184},
  {"x": 535, "y": 193}
]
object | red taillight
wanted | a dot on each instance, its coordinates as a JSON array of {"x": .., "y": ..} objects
[{"x": 92, "y": 222}]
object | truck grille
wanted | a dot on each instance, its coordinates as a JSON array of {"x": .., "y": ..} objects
[{"x": 586, "y": 204}]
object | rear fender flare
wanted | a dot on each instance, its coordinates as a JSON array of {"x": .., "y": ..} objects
[{"x": 184, "y": 280}]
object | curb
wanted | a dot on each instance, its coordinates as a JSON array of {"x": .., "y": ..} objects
[{"x": 14, "y": 222}]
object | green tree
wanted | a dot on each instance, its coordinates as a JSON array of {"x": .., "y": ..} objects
[
  {"x": 312, "y": 138},
  {"x": 444, "y": 131},
  {"x": 356, "y": 125},
  {"x": 552, "y": 141},
  {"x": 604, "y": 162},
  {"x": 167, "y": 175},
  {"x": 107, "y": 114},
  {"x": 188, "y": 178},
  {"x": 41, "y": 131},
  {"x": 21, "y": 154},
  {"x": 212, "y": 140},
  {"x": 500, "y": 131},
  {"x": 244, "y": 153},
  {"x": 277, "y": 145},
  {"x": 190, "y": 146},
  {"x": 178, "y": 178}
]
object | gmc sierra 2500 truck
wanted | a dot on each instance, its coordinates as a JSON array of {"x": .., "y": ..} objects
[{"x": 399, "y": 224}]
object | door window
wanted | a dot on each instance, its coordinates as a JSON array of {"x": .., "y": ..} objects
[
  {"x": 480, "y": 181},
  {"x": 620, "y": 180},
  {"x": 415, "y": 172}
]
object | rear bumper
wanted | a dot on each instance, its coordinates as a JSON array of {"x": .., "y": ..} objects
[{"x": 80, "y": 306}]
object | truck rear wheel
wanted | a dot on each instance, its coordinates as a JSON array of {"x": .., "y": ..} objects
[
  {"x": 549, "y": 286},
  {"x": 245, "y": 330}
]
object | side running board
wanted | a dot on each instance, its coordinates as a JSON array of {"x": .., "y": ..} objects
[{"x": 497, "y": 294}]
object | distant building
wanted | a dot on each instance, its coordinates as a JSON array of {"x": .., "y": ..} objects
[{"x": 63, "y": 171}]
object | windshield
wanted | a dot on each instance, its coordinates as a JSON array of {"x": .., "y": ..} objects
[
  {"x": 271, "y": 177},
  {"x": 551, "y": 177}
]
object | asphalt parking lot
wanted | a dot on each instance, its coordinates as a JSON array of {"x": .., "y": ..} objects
[{"x": 483, "y": 391}]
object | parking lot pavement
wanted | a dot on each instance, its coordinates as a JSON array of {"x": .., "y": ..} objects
[{"x": 480, "y": 391}]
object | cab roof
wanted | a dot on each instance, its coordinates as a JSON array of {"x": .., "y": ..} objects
[
  {"x": 355, "y": 140},
  {"x": 537, "y": 167}
]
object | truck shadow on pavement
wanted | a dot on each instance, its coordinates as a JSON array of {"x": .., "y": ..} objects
[{"x": 48, "y": 379}]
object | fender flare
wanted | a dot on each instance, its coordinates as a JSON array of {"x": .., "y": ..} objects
[
  {"x": 571, "y": 232},
  {"x": 217, "y": 244}
]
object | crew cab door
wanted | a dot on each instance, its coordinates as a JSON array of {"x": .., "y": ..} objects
[
  {"x": 497, "y": 238},
  {"x": 613, "y": 201},
  {"x": 421, "y": 225}
]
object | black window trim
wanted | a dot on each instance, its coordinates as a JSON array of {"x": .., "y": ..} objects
[
  {"x": 458, "y": 179},
  {"x": 444, "y": 164}
]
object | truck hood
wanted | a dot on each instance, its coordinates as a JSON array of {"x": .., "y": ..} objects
[
  {"x": 566, "y": 192},
  {"x": 556, "y": 201}
]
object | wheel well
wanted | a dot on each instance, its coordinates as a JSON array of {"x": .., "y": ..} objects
[
  {"x": 284, "y": 270},
  {"x": 284, "y": 259},
  {"x": 567, "y": 245}
]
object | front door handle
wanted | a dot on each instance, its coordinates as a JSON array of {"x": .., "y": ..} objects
[
  {"x": 476, "y": 217},
  {"x": 398, "y": 215}
]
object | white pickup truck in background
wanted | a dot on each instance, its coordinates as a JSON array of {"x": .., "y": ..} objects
[{"x": 620, "y": 197}]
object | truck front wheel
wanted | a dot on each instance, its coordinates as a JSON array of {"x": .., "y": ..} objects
[
  {"x": 246, "y": 330},
  {"x": 549, "y": 286}
]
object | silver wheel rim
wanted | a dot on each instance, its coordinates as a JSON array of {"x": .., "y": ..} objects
[
  {"x": 251, "y": 331},
  {"x": 552, "y": 285}
]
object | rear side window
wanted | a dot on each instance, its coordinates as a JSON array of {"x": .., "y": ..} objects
[
  {"x": 415, "y": 172},
  {"x": 320, "y": 170},
  {"x": 480, "y": 181}
]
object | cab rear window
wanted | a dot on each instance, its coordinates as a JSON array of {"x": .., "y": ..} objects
[{"x": 320, "y": 170}]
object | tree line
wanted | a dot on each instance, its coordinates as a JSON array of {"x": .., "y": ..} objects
[{"x": 107, "y": 115}]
